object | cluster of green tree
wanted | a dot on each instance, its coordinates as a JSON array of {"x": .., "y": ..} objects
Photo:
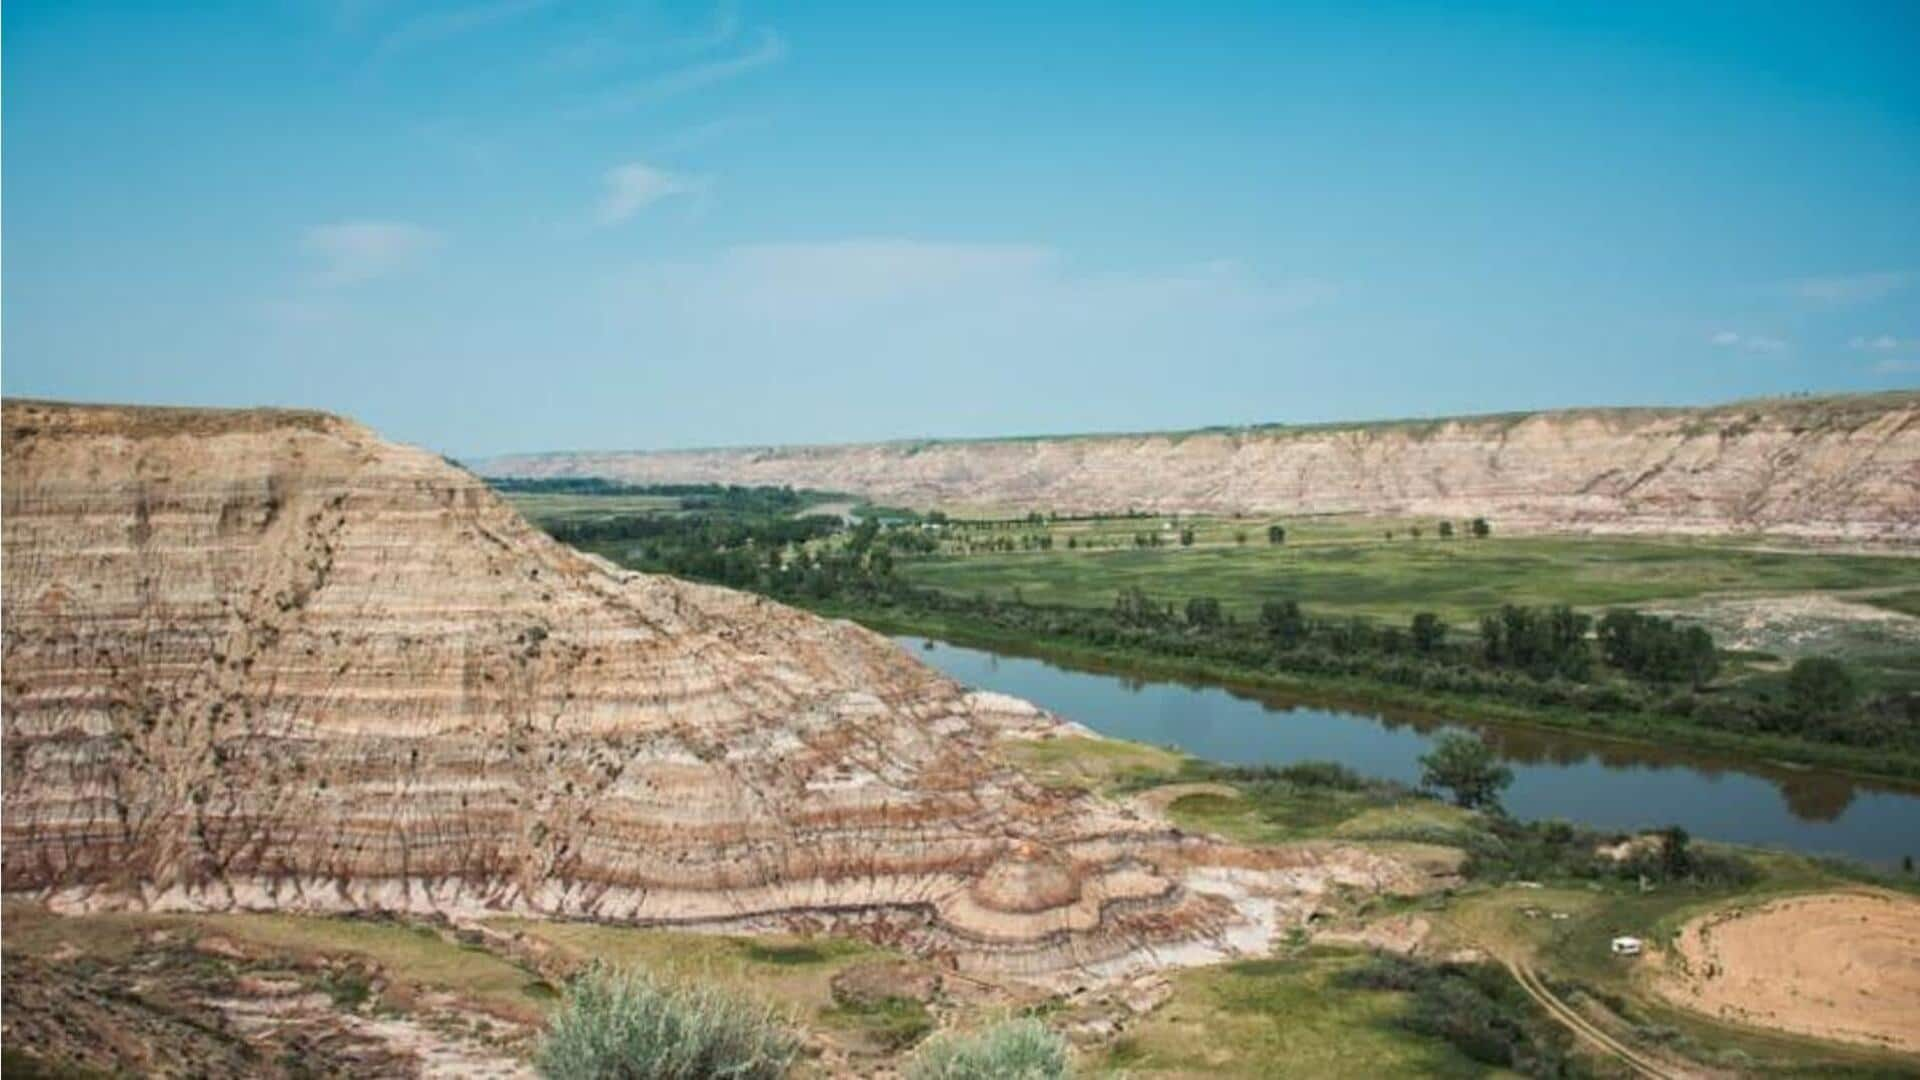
[
  {"x": 1543, "y": 642},
  {"x": 1466, "y": 768},
  {"x": 1544, "y": 850},
  {"x": 731, "y": 498},
  {"x": 1657, "y": 649},
  {"x": 565, "y": 485},
  {"x": 991, "y": 544},
  {"x": 671, "y": 536},
  {"x": 1035, "y": 517},
  {"x": 1477, "y": 1008},
  {"x": 1478, "y": 528},
  {"x": 1533, "y": 657}
]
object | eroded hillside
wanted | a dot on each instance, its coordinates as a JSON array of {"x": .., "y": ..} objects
[
  {"x": 266, "y": 660},
  {"x": 1831, "y": 468}
]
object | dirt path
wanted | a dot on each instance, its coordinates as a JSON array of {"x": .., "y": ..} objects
[{"x": 1585, "y": 1030}]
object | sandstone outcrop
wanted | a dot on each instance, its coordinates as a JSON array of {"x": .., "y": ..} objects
[
  {"x": 1845, "y": 468},
  {"x": 266, "y": 660}
]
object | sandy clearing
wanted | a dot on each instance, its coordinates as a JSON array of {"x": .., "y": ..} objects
[
  {"x": 1842, "y": 966},
  {"x": 1798, "y": 625}
]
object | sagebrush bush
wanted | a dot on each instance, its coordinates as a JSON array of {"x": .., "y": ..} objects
[
  {"x": 1016, "y": 1050},
  {"x": 625, "y": 1025}
]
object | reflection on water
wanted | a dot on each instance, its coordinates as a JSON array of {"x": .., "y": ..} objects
[{"x": 1601, "y": 782}]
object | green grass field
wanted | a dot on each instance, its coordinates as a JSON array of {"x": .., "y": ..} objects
[
  {"x": 1280, "y": 1017},
  {"x": 568, "y": 507},
  {"x": 1361, "y": 574},
  {"x": 1906, "y": 602}
]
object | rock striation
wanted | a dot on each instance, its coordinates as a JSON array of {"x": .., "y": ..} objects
[
  {"x": 1844, "y": 468},
  {"x": 267, "y": 660}
]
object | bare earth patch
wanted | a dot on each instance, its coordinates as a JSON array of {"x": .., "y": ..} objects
[
  {"x": 1805, "y": 624},
  {"x": 1842, "y": 966}
]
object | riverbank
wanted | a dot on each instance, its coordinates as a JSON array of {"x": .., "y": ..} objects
[
  {"x": 1525, "y": 936},
  {"x": 1652, "y": 730}
]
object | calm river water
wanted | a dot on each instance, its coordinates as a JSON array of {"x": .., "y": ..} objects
[{"x": 1598, "y": 782}]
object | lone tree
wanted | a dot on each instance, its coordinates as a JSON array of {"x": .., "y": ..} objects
[
  {"x": 1480, "y": 529},
  {"x": 1466, "y": 767},
  {"x": 1446, "y": 530},
  {"x": 1203, "y": 611},
  {"x": 1284, "y": 622},
  {"x": 1676, "y": 853},
  {"x": 1428, "y": 631},
  {"x": 1276, "y": 534},
  {"x": 1186, "y": 537}
]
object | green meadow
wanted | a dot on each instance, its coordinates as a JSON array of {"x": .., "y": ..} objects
[{"x": 1362, "y": 573}]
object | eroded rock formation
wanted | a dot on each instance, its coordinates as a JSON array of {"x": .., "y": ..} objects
[
  {"x": 268, "y": 660},
  {"x": 1832, "y": 468}
]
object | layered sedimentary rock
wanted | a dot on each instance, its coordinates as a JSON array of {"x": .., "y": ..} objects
[
  {"x": 1837, "y": 468},
  {"x": 268, "y": 660}
]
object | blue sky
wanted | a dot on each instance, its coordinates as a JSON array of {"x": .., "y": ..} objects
[{"x": 492, "y": 225}]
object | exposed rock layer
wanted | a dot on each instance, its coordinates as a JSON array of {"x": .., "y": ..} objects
[
  {"x": 267, "y": 660},
  {"x": 1837, "y": 468}
]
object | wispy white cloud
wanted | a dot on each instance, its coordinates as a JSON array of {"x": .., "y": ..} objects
[
  {"x": 1891, "y": 366},
  {"x": 354, "y": 251},
  {"x": 637, "y": 35},
  {"x": 1883, "y": 343},
  {"x": 1846, "y": 289},
  {"x": 719, "y": 30},
  {"x": 436, "y": 26},
  {"x": 950, "y": 303},
  {"x": 767, "y": 47},
  {"x": 1730, "y": 339},
  {"x": 635, "y": 186}
]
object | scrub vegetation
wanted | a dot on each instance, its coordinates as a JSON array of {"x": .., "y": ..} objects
[{"x": 625, "y": 1025}]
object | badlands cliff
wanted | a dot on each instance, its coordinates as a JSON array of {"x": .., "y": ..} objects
[
  {"x": 267, "y": 660},
  {"x": 1830, "y": 468}
]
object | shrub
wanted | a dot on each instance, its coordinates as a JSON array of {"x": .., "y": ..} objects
[
  {"x": 1016, "y": 1050},
  {"x": 1477, "y": 1008},
  {"x": 627, "y": 1026},
  {"x": 1820, "y": 686}
]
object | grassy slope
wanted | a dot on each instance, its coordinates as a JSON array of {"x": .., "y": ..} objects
[{"x": 1280, "y": 1016}]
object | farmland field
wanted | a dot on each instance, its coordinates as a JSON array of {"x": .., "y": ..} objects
[
  {"x": 570, "y": 507},
  {"x": 1352, "y": 569}
]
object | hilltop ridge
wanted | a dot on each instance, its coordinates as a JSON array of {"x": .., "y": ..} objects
[{"x": 1840, "y": 468}]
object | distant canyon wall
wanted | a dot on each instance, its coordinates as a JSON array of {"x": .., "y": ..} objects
[{"x": 1840, "y": 468}]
